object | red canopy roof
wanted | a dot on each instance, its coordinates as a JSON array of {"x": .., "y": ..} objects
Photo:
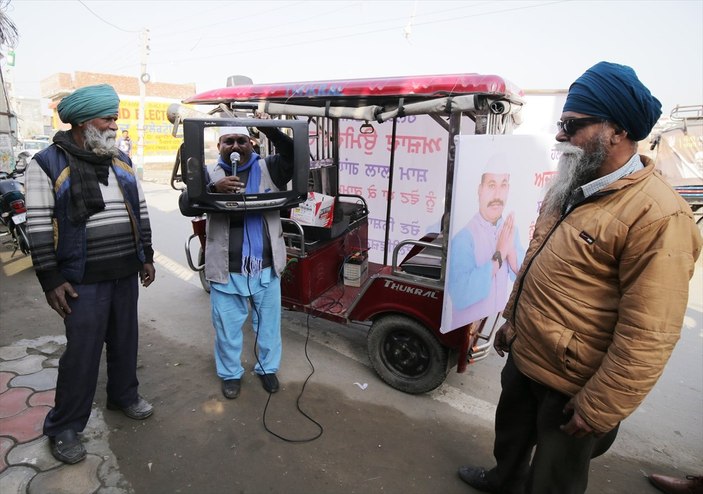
[{"x": 413, "y": 87}]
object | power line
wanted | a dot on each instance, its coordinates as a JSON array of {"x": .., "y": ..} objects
[
  {"x": 336, "y": 28},
  {"x": 289, "y": 43},
  {"x": 238, "y": 20},
  {"x": 106, "y": 22}
]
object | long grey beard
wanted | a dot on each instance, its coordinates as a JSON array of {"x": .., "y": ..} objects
[
  {"x": 101, "y": 143},
  {"x": 577, "y": 167}
]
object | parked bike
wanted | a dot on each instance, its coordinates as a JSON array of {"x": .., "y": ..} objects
[{"x": 13, "y": 211}]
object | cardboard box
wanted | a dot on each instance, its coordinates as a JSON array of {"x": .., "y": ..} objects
[
  {"x": 317, "y": 210},
  {"x": 356, "y": 270}
]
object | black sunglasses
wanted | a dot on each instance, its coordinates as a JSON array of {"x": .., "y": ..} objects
[{"x": 570, "y": 126}]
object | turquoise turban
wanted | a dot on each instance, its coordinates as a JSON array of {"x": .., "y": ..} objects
[
  {"x": 614, "y": 92},
  {"x": 87, "y": 103}
]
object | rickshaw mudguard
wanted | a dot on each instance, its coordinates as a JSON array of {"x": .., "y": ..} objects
[{"x": 386, "y": 294}]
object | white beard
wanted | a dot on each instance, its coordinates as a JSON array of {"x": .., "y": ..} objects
[
  {"x": 577, "y": 167},
  {"x": 101, "y": 143}
]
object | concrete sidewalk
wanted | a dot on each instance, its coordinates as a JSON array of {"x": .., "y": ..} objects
[{"x": 28, "y": 371}]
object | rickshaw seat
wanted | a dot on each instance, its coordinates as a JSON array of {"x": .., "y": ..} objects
[{"x": 427, "y": 262}]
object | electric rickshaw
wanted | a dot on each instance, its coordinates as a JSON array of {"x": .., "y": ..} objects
[{"x": 400, "y": 295}]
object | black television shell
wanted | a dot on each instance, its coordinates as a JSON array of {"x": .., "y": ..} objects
[{"x": 193, "y": 157}]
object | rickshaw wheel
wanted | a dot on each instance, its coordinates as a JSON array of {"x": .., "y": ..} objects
[
  {"x": 201, "y": 262},
  {"x": 406, "y": 355}
]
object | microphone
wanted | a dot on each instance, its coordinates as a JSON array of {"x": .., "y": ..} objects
[{"x": 234, "y": 158}]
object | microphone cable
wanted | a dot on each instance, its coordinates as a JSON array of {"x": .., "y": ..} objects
[{"x": 256, "y": 347}]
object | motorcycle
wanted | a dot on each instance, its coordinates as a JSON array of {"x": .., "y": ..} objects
[{"x": 13, "y": 211}]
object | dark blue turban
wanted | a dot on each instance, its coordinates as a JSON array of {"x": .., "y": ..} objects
[
  {"x": 614, "y": 92},
  {"x": 87, "y": 103}
]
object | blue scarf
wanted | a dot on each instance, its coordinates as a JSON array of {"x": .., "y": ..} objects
[{"x": 253, "y": 238}]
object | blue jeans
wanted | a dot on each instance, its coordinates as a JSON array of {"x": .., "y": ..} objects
[{"x": 230, "y": 311}]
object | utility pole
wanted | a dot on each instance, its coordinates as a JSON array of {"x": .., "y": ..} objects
[
  {"x": 144, "y": 78},
  {"x": 8, "y": 118}
]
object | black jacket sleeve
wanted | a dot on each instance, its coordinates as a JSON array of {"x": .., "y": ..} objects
[{"x": 280, "y": 165}]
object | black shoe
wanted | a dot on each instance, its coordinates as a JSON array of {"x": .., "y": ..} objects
[
  {"x": 67, "y": 447},
  {"x": 139, "y": 410},
  {"x": 476, "y": 478},
  {"x": 270, "y": 382},
  {"x": 231, "y": 388}
]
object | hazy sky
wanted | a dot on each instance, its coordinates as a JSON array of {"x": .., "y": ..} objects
[{"x": 535, "y": 44}]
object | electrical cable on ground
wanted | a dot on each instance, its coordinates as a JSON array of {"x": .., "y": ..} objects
[{"x": 256, "y": 354}]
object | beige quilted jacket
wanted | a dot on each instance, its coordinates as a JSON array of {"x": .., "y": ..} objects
[{"x": 599, "y": 303}]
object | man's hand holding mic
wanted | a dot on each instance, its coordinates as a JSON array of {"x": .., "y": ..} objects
[{"x": 230, "y": 184}]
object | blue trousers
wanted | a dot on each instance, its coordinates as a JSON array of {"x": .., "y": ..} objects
[
  {"x": 104, "y": 313},
  {"x": 230, "y": 311}
]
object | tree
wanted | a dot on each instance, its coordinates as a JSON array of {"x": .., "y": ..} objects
[{"x": 8, "y": 30}]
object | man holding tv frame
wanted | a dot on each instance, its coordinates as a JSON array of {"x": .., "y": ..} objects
[{"x": 245, "y": 255}]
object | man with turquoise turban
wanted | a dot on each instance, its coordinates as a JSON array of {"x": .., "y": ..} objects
[
  {"x": 90, "y": 237},
  {"x": 599, "y": 302}
]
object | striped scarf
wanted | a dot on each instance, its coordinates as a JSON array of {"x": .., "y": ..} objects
[{"x": 88, "y": 170}]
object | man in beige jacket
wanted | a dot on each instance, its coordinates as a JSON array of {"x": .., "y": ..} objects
[{"x": 599, "y": 302}]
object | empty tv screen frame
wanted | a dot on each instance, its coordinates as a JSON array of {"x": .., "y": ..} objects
[{"x": 200, "y": 136}]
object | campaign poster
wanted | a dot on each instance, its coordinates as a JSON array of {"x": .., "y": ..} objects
[
  {"x": 499, "y": 183},
  {"x": 158, "y": 137},
  {"x": 419, "y": 180}
]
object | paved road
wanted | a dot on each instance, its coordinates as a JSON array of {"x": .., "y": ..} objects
[{"x": 374, "y": 439}]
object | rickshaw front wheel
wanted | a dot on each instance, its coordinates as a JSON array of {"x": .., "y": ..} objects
[{"x": 406, "y": 355}]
